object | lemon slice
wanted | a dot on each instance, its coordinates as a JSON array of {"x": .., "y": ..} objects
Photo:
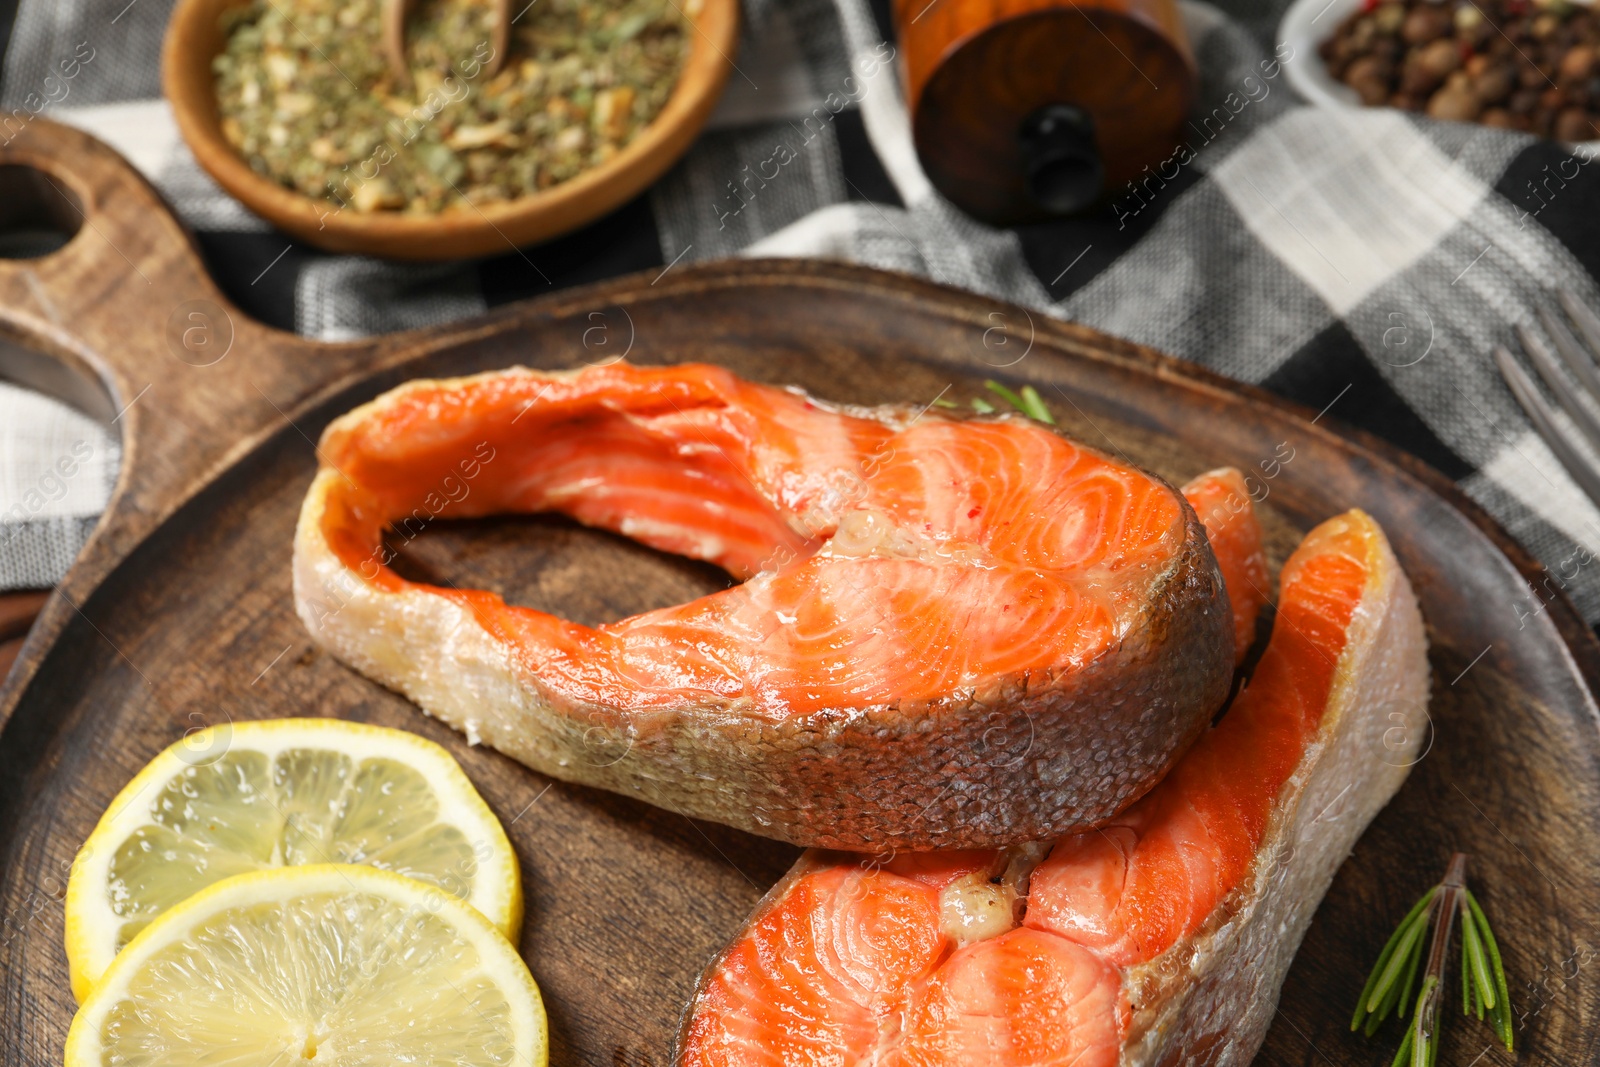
[
  {"x": 332, "y": 965},
  {"x": 287, "y": 792}
]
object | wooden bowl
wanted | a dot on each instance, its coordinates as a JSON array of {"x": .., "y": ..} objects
[{"x": 194, "y": 37}]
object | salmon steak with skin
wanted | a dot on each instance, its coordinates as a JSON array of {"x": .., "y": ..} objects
[
  {"x": 948, "y": 632},
  {"x": 1161, "y": 938},
  {"x": 1222, "y": 501}
]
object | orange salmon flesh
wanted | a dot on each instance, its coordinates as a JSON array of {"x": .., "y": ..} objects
[
  {"x": 944, "y": 626},
  {"x": 1226, "y": 508},
  {"x": 922, "y": 959},
  {"x": 884, "y": 559}
]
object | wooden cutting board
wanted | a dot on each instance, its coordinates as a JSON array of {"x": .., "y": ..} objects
[{"x": 178, "y": 613}]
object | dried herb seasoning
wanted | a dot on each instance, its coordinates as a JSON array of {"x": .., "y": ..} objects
[{"x": 306, "y": 97}]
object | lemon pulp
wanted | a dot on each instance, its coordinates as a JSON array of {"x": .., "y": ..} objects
[
  {"x": 334, "y": 965},
  {"x": 284, "y": 793}
]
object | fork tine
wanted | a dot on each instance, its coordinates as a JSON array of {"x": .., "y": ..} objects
[
  {"x": 1579, "y": 362},
  {"x": 1585, "y": 320},
  {"x": 1545, "y": 364},
  {"x": 1543, "y": 418}
]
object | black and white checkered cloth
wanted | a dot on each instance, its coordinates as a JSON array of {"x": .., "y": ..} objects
[{"x": 1361, "y": 262}]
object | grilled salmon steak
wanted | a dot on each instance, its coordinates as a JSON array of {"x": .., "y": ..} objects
[
  {"x": 949, "y": 633},
  {"x": 1159, "y": 939}
]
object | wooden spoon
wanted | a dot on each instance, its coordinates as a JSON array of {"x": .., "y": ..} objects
[{"x": 395, "y": 13}]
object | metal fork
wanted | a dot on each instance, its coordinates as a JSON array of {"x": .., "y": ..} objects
[{"x": 1580, "y": 363}]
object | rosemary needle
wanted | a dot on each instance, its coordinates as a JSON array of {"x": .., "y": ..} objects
[
  {"x": 1500, "y": 1013},
  {"x": 1028, "y": 401},
  {"x": 1483, "y": 976},
  {"x": 1372, "y": 994},
  {"x": 1408, "y": 950},
  {"x": 1036, "y": 408}
]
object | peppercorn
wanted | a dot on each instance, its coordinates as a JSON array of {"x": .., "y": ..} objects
[
  {"x": 1454, "y": 103},
  {"x": 1576, "y": 65},
  {"x": 1576, "y": 124},
  {"x": 1439, "y": 58},
  {"x": 1369, "y": 77},
  {"x": 1492, "y": 84},
  {"x": 1424, "y": 24}
]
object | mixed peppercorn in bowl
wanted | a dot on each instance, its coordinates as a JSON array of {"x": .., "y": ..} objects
[{"x": 1509, "y": 64}]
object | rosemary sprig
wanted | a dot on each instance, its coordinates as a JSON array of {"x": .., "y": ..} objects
[
  {"x": 1483, "y": 977},
  {"x": 1028, "y": 401},
  {"x": 1497, "y": 998}
]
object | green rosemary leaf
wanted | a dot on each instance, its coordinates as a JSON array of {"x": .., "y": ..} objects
[
  {"x": 1473, "y": 962},
  {"x": 1004, "y": 392},
  {"x": 1425, "y": 1048},
  {"x": 1399, "y": 994},
  {"x": 1380, "y": 968},
  {"x": 1410, "y": 942},
  {"x": 982, "y": 407},
  {"x": 1472, "y": 959},
  {"x": 1385, "y": 1007},
  {"x": 1416, "y": 962},
  {"x": 1362, "y": 1011},
  {"x": 1007, "y": 394},
  {"x": 941, "y": 402},
  {"x": 1477, "y": 990},
  {"x": 1501, "y": 1013},
  {"x": 1403, "y": 1057},
  {"x": 1034, "y": 406},
  {"x": 1476, "y": 960},
  {"x": 1484, "y": 989}
]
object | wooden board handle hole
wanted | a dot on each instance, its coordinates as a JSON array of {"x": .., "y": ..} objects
[{"x": 38, "y": 214}]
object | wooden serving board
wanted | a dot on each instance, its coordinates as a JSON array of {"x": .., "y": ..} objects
[{"x": 178, "y": 613}]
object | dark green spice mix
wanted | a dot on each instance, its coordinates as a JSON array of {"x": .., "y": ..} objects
[{"x": 308, "y": 100}]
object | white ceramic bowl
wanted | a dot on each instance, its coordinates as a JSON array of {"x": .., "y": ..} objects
[{"x": 1305, "y": 26}]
